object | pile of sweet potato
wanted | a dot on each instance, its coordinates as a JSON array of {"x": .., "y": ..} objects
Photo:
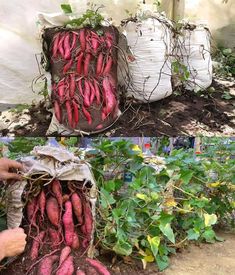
[
  {"x": 60, "y": 224},
  {"x": 85, "y": 81}
]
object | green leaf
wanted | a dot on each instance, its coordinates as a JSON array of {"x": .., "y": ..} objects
[
  {"x": 154, "y": 244},
  {"x": 106, "y": 198},
  {"x": 162, "y": 262},
  {"x": 193, "y": 234},
  {"x": 219, "y": 239},
  {"x": 66, "y": 8},
  {"x": 186, "y": 176},
  {"x": 143, "y": 197},
  {"x": 168, "y": 232},
  {"x": 210, "y": 219},
  {"x": 122, "y": 248},
  {"x": 209, "y": 235}
]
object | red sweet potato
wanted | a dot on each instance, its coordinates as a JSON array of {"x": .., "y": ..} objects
[
  {"x": 87, "y": 115},
  {"x": 37, "y": 242},
  {"x": 76, "y": 242},
  {"x": 69, "y": 113},
  {"x": 97, "y": 92},
  {"x": 54, "y": 237},
  {"x": 67, "y": 267},
  {"x": 46, "y": 265},
  {"x": 42, "y": 203},
  {"x": 87, "y": 64},
  {"x": 83, "y": 39},
  {"x": 76, "y": 113},
  {"x": 79, "y": 63},
  {"x": 64, "y": 254},
  {"x": 92, "y": 97},
  {"x": 67, "y": 53},
  {"x": 60, "y": 44},
  {"x": 74, "y": 39},
  {"x": 99, "y": 64},
  {"x": 53, "y": 211},
  {"x": 31, "y": 207},
  {"x": 87, "y": 94},
  {"x": 72, "y": 86},
  {"x": 80, "y": 272},
  {"x": 57, "y": 111},
  {"x": 68, "y": 66},
  {"x": 57, "y": 191},
  {"x": 56, "y": 40},
  {"x": 98, "y": 266},
  {"x": 108, "y": 66},
  {"x": 77, "y": 207},
  {"x": 68, "y": 223},
  {"x": 88, "y": 219}
]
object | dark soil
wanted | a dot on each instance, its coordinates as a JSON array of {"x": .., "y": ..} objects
[{"x": 185, "y": 114}]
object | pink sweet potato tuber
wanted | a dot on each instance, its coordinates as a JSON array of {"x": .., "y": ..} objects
[
  {"x": 46, "y": 265},
  {"x": 53, "y": 211},
  {"x": 57, "y": 191},
  {"x": 42, "y": 203},
  {"x": 80, "y": 272},
  {"x": 37, "y": 242},
  {"x": 76, "y": 242},
  {"x": 68, "y": 224},
  {"x": 54, "y": 237},
  {"x": 98, "y": 266},
  {"x": 67, "y": 267},
  {"x": 64, "y": 254},
  {"x": 77, "y": 207}
]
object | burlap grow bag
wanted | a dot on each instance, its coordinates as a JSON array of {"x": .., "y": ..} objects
[
  {"x": 81, "y": 103},
  {"x": 51, "y": 163}
]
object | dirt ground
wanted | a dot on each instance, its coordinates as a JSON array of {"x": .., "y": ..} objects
[
  {"x": 185, "y": 114},
  {"x": 206, "y": 259}
]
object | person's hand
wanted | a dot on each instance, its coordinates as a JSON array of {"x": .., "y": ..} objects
[
  {"x": 12, "y": 242},
  {"x": 6, "y": 165}
]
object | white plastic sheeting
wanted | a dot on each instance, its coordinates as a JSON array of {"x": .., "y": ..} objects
[
  {"x": 20, "y": 41},
  {"x": 149, "y": 76},
  {"x": 19, "y": 44},
  {"x": 195, "y": 51}
]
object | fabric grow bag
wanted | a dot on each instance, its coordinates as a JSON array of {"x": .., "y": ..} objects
[
  {"x": 194, "y": 50},
  {"x": 147, "y": 77}
]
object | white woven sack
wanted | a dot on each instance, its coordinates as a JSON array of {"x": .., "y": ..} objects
[
  {"x": 149, "y": 45},
  {"x": 197, "y": 58}
]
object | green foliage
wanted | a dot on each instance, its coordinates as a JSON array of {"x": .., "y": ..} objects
[
  {"x": 44, "y": 91},
  {"x": 91, "y": 18},
  {"x": 180, "y": 70},
  {"x": 22, "y": 146},
  {"x": 153, "y": 214},
  {"x": 66, "y": 8},
  {"x": 226, "y": 60},
  {"x": 20, "y": 108}
]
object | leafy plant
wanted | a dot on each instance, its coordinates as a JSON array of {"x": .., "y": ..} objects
[
  {"x": 225, "y": 58},
  {"x": 22, "y": 146},
  {"x": 155, "y": 213},
  {"x": 91, "y": 18},
  {"x": 20, "y": 108},
  {"x": 180, "y": 70}
]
